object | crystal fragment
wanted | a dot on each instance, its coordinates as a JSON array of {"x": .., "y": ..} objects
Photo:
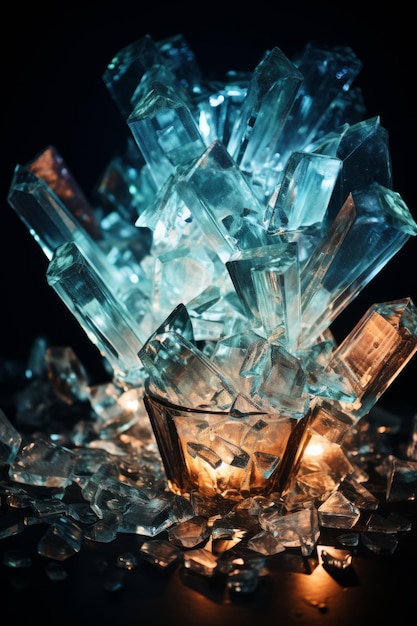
[
  {"x": 267, "y": 282},
  {"x": 43, "y": 463},
  {"x": 17, "y": 559},
  {"x": 304, "y": 192},
  {"x": 67, "y": 374},
  {"x": 98, "y": 311},
  {"x": 373, "y": 354},
  {"x": 61, "y": 540},
  {"x": 50, "y": 166},
  {"x": 147, "y": 518},
  {"x": 10, "y": 440},
  {"x": 380, "y": 543},
  {"x": 337, "y": 561},
  {"x": 242, "y": 581},
  {"x": 160, "y": 552},
  {"x": 190, "y": 533},
  {"x": 127, "y": 67},
  {"x": 263, "y": 111},
  {"x": 359, "y": 140},
  {"x": 338, "y": 512},
  {"x": 165, "y": 131},
  {"x": 382, "y": 225},
  {"x": 184, "y": 374},
  {"x": 200, "y": 561},
  {"x": 222, "y": 201},
  {"x": 299, "y": 529},
  {"x": 327, "y": 73},
  {"x": 401, "y": 480},
  {"x": 266, "y": 543}
]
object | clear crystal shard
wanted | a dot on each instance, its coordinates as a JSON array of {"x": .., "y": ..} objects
[
  {"x": 165, "y": 131},
  {"x": 98, "y": 311},
  {"x": 264, "y": 110}
]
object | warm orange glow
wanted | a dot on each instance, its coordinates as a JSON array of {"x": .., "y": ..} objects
[{"x": 314, "y": 448}]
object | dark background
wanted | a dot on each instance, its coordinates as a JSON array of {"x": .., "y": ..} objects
[{"x": 53, "y": 58}]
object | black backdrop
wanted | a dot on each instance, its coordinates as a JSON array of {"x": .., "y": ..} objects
[{"x": 53, "y": 57}]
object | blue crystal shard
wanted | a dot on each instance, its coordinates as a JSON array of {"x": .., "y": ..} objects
[
  {"x": 382, "y": 225},
  {"x": 304, "y": 192},
  {"x": 264, "y": 110},
  {"x": 181, "y": 60},
  {"x": 328, "y": 73},
  {"x": 217, "y": 108},
  {"x": 165, "y": 131},
  {"x": 100, "y": 313},
  {"x": 222, "y": 201},
  {"x": 127, "y": 67},
  {"x": 267, "y": 281},
  {"x": 356, "y": 144}
]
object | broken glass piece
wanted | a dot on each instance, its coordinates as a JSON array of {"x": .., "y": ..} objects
[
  {"x": 161, "y": 553},
  {"x": 266, "y": 543},
  {"x": 349, "y": 540},
  {"x": 299, "y": 529},
  {"x": 67, "y": 374},
  {"x": 148, "y": 518},
  {"x": 200, "y": 561},
  {"x": 337, "y": 511},
  {"x": 43, "y": 463},
  {"x": 337, "y": 561},
  {"x": 401, "y": 480},
  {"x": 61, "y": 540},
  {"x": 127, "y": 67},
  {"x": 380, "y": 543},
  {"x": 358, "y": 494},
  {"x": 17, "y": 558},
  {"x": 190, "y": 533},
  {"x": 180, "y": 372},
  {"x": 242, "y": 581},
  {"x": 10, "y": 440}
]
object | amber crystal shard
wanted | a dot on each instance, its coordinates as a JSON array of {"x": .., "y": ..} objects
[{"x": 374, "y": 353}]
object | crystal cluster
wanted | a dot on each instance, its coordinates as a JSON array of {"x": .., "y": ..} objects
[{"x": 240, "y": 217}]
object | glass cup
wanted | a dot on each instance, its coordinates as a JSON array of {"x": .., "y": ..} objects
[{"x": 219, "y": 454}]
